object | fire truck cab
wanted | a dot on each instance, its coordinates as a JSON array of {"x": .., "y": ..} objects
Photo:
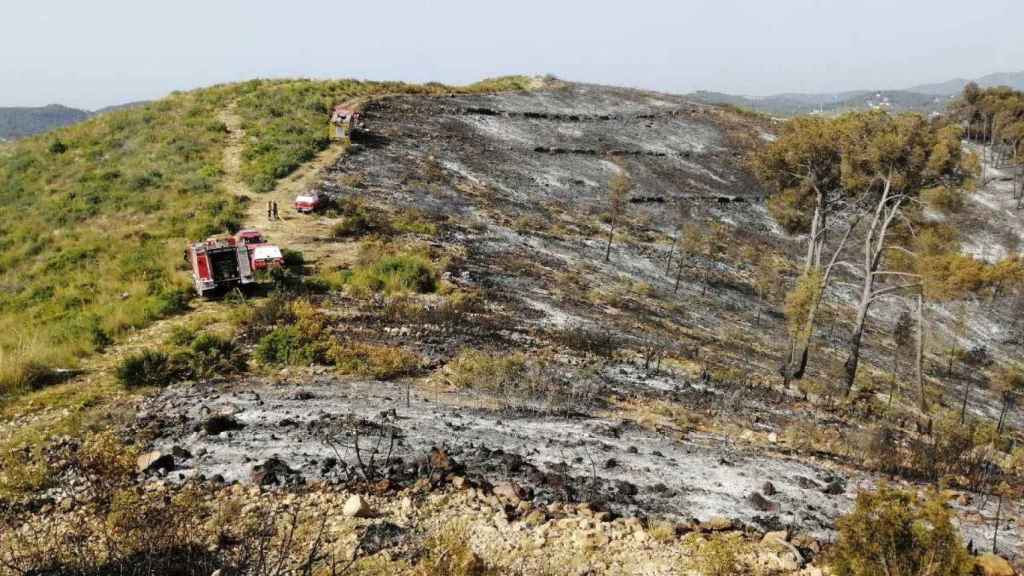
[{"x": 262, "y": 254}]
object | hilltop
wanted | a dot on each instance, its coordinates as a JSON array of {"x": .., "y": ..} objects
[{"x": 468, "y": 340}]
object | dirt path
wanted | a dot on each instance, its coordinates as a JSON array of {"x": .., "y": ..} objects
[{"x": 291, "y": 230}]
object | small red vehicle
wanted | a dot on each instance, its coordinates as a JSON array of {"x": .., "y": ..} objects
[
  {"x": 309, "y": 202},
  {"x": 219, "y": 264},
  {"x": 262, "y": 255}
]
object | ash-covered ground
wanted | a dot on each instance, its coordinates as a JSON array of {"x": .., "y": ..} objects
[
  {"x": 519, "y": 183},
  {"x": 631, "y": 470}
]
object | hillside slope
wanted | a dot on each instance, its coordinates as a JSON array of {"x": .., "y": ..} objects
[
  {"x": 535, "y": 348},
  {"x": 98, "y": 212},
  {"x": 475, "y": 332}
]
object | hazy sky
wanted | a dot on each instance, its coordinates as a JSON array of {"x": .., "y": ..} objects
[{"x": 100, "y": 52}]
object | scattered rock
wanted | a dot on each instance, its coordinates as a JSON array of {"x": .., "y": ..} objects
[
  {"x": 807, "y": 483},
  {"x": 155, "y": 460},
  {"x": 221, "y": 423},
  {"x": 179, "y": 452},
  {"x": 273, "y": 471},
  {"x": 509, "y": 492},
  {"x": 835, "y": 487},
  {"x": 768, "y": 489},
  {"x": 807, "y": 544},
  {"x": 380, "y": 536},
  {"x": 357, "y": 507},
  {"x": 761, "y": 503},
  {"x": 780, "y": 556},
  {"x": 773, "y": 438}
]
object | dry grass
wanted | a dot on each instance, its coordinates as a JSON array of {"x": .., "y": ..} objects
[
  {"x": 374, "y": 360},
  {"x": 660, "y": 415}
]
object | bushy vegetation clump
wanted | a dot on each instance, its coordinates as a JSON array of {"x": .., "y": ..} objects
[
  {"x": 390, "y": 270},
  {"x": 896, "y": 532},
  {"x": 147, "y": 368},
  {"x": 192, "y": 356},
  {"x": 297, "y": 333}
]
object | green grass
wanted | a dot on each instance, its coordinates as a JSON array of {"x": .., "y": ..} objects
[
  {"x": 92, "y": 235},
  {"x": 401, "y": 273},
  {"x": 96, "y": 215}
]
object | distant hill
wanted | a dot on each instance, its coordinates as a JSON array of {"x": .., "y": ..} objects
[
  {"x": 797, "y": 104},
  {"x": 19, "y": 122},
  {"x": 1014, "y": 80},
  {"x": 926, "y": 98}
]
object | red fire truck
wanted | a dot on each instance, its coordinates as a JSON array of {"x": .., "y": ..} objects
[{"x": 219, "y": 264}]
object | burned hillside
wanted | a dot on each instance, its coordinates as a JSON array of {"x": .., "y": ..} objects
[
  {"x": 560, "y": 312},
  {"x": 633, "y": 379}
]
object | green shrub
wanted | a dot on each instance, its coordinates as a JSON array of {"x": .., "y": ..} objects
[
  {"x": 182, "y": 335},
  {"x": 293, "y": 258},
  {"x": 944, "y": 199},
  {"x": 210, "y": 355},
  {"x": 286, "y": 345},
  {"x": 953, "y": 449},
  {"x": 358, "y": 221},
  {"x": 894, "y": 532},
  {"x": 146, "y": 368},
  {"x": 394, "y": 274},
  {"x": 412, "y": 221}
]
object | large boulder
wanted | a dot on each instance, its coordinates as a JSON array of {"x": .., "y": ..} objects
[
  {"x": 221, "y": 423},
  {"x": 274, "y": 471},
  {"x": 759, "y": 502},
  {"x": 357, "y": 507},
  {"x": 510, "y": 493},
  {"x": 155, "y": 460},
  {"x": 992, "y": 565},
  {"x": 778, "y": 555}
]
